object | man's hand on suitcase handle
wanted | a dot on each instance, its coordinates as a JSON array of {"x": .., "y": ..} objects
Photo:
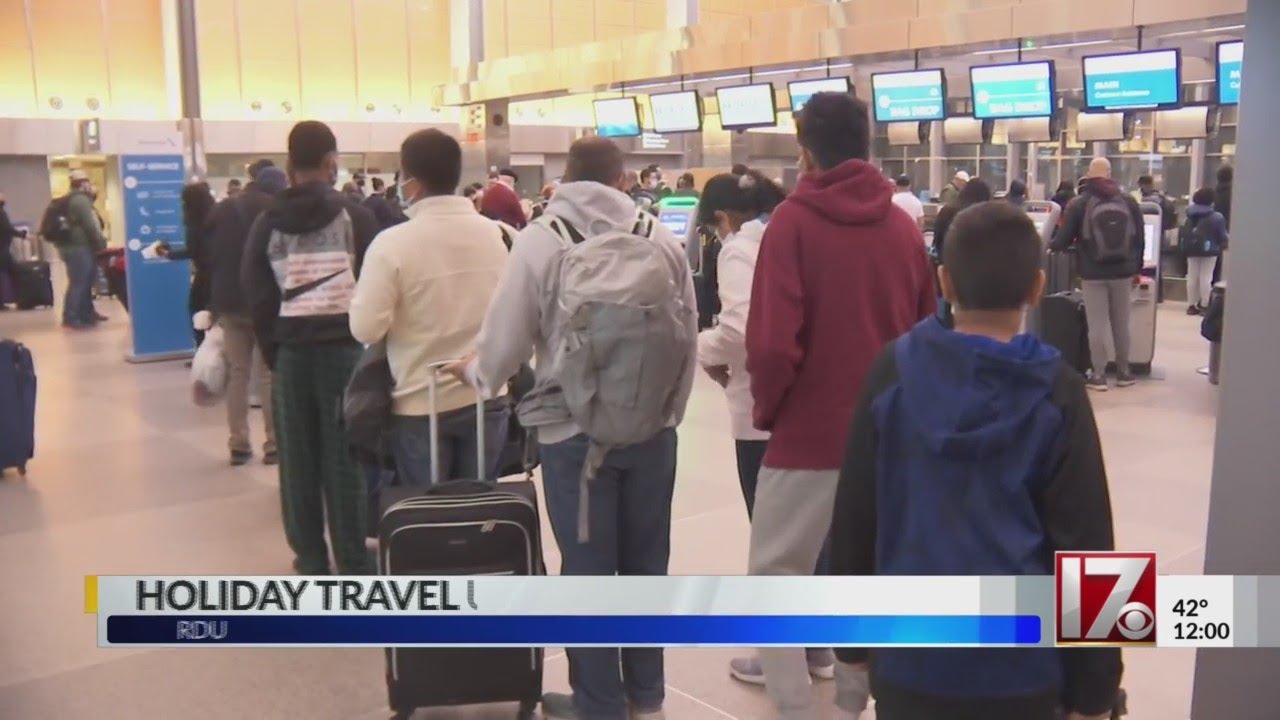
[{"x": 458, "y": 369}]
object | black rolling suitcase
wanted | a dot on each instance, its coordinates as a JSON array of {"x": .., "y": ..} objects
[
  {"x": 1063, "y": 325},
  {"x": 17, "y": 406},
  {"x": 461, "y": 527},
  {"x": 32, "y": 284}
]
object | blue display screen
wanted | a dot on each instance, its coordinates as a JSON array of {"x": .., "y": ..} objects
[
  {"x": 617, "y": 117},
  {"x": 677, "y": 221},
  {"x": 913, "y": 95},
  {"x": 1230, "y": 67},
  {"x": 802, "y": 90},
  {"x": 1012, "y": 91},
  {"x": 1132, "y": 80}
]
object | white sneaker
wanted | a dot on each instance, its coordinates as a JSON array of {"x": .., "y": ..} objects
[{"x": 748, "y": 670}]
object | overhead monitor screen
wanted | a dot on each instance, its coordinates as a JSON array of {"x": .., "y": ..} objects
[
  {"x": 1133, "y": 80},
  {"x": 677, "y": 221},
  {"x": 802, "y": 90},
  {"x": 912, "y": 95},
  {"x": 676, "y": 112},
  {"x": 1230, "y": 65},
  {"x": 747, "y": 106},
  {"x": 1018, "y": 90},
  {"x": 617, "y": 117}
]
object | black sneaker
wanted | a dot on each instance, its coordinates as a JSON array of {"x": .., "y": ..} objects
[
  {"x": 1193, "y": 309},
  {"x": 271, "y": 457},
  {"x": 240, "y": 457},
  {"x": 1097, "y": 382},
  {"x": 1125, "y": 379}
]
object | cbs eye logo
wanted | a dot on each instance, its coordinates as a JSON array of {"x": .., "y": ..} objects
[{"x": 1106, "y": 598}]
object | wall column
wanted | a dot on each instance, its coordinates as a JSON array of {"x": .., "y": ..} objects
[
  {"x": 681, "y": 13},
  {"x": 181, "y": 47},
  {"x": 938, "y": 175},
  {"x": 1243, "y": 535}
]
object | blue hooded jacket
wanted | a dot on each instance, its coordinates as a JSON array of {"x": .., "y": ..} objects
[{"x": 976, "y": 457}]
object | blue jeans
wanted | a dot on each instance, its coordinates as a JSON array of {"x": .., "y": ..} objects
[
  {"x": 411, "y": 444},
  {"x": 77, "y": 305},
  {"x": 630, "y": 515}
]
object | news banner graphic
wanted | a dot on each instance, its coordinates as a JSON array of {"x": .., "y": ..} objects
[{"x": 1095, "y": 599}]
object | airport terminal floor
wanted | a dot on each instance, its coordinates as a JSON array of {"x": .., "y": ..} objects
[{"x": 131, "y": 478}]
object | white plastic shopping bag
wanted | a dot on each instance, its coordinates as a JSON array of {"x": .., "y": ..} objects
[{"x": 209, "y": 370}]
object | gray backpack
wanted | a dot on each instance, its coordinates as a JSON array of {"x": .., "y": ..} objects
[
  {"x": 1108, "y": 229},
  {"x": 624, "y": 339}
]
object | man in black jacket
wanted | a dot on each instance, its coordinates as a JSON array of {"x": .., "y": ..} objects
[
  {"x": 1107, "y": 228},
  {"x": 299, "y": 276},
  {"x": 383, "y": 211},
  {"x": 229, "y": 232},
  {"x": 7, "y": 235}
]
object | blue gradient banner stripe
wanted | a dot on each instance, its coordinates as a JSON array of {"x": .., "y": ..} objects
[{"x": 574, "y": 630}]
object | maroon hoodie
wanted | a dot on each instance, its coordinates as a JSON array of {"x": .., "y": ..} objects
[{"x": 841, "y": 272}]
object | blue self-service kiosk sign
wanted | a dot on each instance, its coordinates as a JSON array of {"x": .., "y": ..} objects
[
  {"x": 1018, "y": 90},
  {"x": 158, "y": 287},
  {"x": 1230, "y": 67},
  {"x": 913, "y": 95},
  {"x": 1132, "y": 80}
]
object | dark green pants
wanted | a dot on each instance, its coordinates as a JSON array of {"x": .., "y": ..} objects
[{"x": 317, "y": 475}]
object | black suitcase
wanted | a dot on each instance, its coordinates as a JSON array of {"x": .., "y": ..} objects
[
  {"x": 1063, "y": 325},
  {"x": 17, "y": 406},
  {"x": 461, "y": 527},
  {"x": 32, "y": 284}
]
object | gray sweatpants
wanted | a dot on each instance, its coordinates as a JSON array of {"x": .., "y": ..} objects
[
  {"x": 790, "y": 521},
  {"x": 1107, "y": 307}
]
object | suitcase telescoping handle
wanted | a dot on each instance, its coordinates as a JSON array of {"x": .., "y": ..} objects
[{"x": 433, "y": 372}]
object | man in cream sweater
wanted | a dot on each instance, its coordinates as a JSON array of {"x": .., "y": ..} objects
[{"x": 425, "y": 287}]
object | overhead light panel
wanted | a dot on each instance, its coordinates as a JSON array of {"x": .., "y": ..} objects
[
  {"x": 1038, "y": 48},
  {"x": 1203, "y": 31}
]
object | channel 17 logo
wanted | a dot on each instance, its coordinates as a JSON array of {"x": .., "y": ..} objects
[{"x": 1106, "y": 598}]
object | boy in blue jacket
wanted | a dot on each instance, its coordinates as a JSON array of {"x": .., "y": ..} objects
[{"x": 974, "y": 451}]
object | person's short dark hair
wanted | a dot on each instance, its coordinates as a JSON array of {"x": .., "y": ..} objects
[
  {"x": 434, "y": 159},
  {"x": 1017, "y": 188},
  {"x": 751, "y": 193},
  {"x": 834, "y": 127},
  {"x": 1226, "y": 174},
  {"x": 647, "y": 173},
  {"x": 1146, "y": 181},
  {"x": 378, "y": 184},
  {"x": 686, "y": 180},
  {"x": 902, "y": 181},
  {"x": 594, "y": 159},
  {"x": 1204, "y": 196},
  {"x": 257, "y": 165},
  {"x": 234, "y": 183},
  {"x": 508, "y": 172},
  {"x": 470, "y": 191},
  {"x": 310, "y": 142},
  {"x": 992, "y": 255},
  {"x": 975, "y": 191},
  {"x": 1066, "y": 186},
  {"x": 739, "y": 169}
]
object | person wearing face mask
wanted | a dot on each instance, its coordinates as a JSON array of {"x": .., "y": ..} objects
[
  {"x": 840, "y": 273},
  {"x": 446, "y": 256},
  {"x": 300, "y": 267}
]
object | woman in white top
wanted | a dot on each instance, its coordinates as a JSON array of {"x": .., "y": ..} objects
[{"x": 736, "y": 207}]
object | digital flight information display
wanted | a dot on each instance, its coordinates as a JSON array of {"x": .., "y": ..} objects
[
  {"x": 912, "y": 95},
  {"x": 1017, "y": 90},
  {"x": 1133, "y": 80},
  {"x": 1230, "y": 67}
]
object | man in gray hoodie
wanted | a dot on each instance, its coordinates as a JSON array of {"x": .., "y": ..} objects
[{"x": 635, "y": 483}]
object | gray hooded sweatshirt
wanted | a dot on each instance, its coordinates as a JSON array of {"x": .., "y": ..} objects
[{"x": 519, "y": 320}]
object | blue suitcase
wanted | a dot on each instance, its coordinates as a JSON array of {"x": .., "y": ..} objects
[{"x": 17, "y": 406}]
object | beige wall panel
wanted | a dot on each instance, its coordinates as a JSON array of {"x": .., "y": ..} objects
[
  {"x": 219, "y": 59},
  {"x": 327, "y": 51},
  {"x": 1057, "y": 17},
  {"x": 951, "y": 7},
  {"x": 865, "y": 39},
  {"x": 69, "y": 57},
  {"x": 711, "y": 58},
  {"x": 573, "y": 10},
  {"x": 136, "y": 61},
  {"x": 871, "y": 12},
  {"x": 1147, "y": 12},
  {"x": 429, "y": 48},
  {"x": 615, "y": 12},
  {"x": 809, "y": 19},
  {"x": 570, "y": 32},
  {"x": 17, "y": 86},
  {"x": 269, "y": 52},
  {"x": 382, "y": 51},
  {"x": 962, "y": 28},
  {"x": 495, "y": 28}
]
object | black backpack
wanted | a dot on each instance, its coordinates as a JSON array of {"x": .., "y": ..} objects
[
  {"x": 1108, "y": 230},
  {"x": 1193, "y": 239},
  {"x": 1168, "y": 213},
  {"x": 55, "y": 225}
]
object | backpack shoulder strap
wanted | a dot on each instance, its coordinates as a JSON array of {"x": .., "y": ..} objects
[
  {"x": 644, "y": 226},
  {"x": 562, "y": 228}
]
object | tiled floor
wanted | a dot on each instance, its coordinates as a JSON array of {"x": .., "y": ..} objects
[{"x": 131, "y": 478}]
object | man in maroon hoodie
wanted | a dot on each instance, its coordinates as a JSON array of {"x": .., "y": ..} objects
[{"x": 842, "y": 271}]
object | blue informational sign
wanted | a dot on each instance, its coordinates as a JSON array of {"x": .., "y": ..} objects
[
  {"x": 915, "y": 95},
  {"x": 617, "y": 117},
  {"x": 801, "y": 90},
  {"x": 158, "y": 287},
  {"x": 677, "y": 221},
  {"x": 1132, "y": 80},
  {"x": 1018, "y": 90},
  {"x": 1230, "y": 66}
]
